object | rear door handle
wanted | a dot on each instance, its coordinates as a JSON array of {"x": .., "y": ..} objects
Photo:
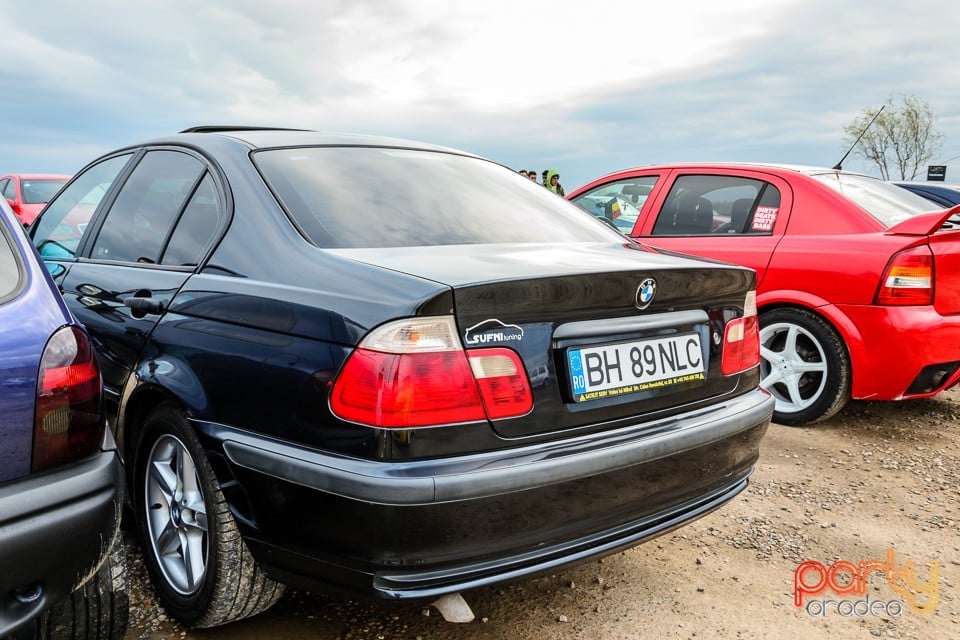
[{"x": 143, "y": 306}]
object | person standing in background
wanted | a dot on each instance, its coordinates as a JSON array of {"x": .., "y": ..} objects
[
  {"x": 532, "y": 174},
  {"x": 552, "y": 181}
]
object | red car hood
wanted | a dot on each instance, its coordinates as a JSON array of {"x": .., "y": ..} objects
[{"x": 29, "y": 212}]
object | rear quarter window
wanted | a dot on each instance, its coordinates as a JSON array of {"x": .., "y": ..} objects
[{"x": 11, "y": 269}]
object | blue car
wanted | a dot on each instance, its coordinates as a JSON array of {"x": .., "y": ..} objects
[
  {"x": 62, "y": 572},
  {"x": 943, "y": 195}
]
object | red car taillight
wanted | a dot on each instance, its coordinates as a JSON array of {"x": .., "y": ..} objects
[
  {"x": 415, "y": 373},
  {"x": 741, "y": 340},
  {"x": 68, "y": 422},
  {"x": 908, "y": 279}
]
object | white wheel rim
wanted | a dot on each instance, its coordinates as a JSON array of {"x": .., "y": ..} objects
[
  {"x": 176, "y": 515},
  {"x": 793, "y": 366}
]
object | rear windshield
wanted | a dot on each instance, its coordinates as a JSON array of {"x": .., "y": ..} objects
[
  {"x": 886, "y": 202},
  {"x": 361, "y": 197}
]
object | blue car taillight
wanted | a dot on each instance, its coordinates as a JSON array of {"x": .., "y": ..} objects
[{"x": 69, "y": 421}]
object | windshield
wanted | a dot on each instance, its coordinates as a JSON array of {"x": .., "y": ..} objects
[
  {"x": 361, "y": 197},
  {"x": 886, "y": 202},
  {"x": 39, "y": 191}
]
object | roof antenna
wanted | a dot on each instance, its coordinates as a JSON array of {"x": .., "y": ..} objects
[{"x": 839, "y": 165}]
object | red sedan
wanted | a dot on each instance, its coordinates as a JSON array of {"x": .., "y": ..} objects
[
  {"x": 858, "y": 281},
  {"x": 28, "y": 193}
]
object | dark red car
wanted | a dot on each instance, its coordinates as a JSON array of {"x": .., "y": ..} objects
[
  {"x": 28, "y": 193},
  {"x": 858, "y": 281}
]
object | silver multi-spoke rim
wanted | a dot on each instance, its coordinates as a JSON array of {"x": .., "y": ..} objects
[
  {"x": 793, "y": 366},
  {"x": 176, "y": 515}
]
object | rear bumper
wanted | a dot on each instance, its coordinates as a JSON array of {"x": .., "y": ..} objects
[
  {"x": 55, "y": 529},
  {"x": 895, "y": 345},
  {"x": 420, "y": 529}
]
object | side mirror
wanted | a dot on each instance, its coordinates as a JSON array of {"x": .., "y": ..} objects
[{"x": 13, "y": 205}]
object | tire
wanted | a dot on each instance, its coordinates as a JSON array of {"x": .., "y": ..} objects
[
  {"x": 206, "y": 575},
  {"x": 805, "y": 366},
  {"x": 96, "y": 611}
]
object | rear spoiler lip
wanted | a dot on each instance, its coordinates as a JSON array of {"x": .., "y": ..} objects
[{"x": 924, "y": 224}]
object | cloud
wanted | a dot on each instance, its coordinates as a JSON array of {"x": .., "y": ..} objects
[{"x": 580, "y": 86}]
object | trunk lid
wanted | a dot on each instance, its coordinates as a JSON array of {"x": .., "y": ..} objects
[{"x": 548, "y": 301}]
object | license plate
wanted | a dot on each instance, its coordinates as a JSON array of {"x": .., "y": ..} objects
[{"x": 611, "y": 370}]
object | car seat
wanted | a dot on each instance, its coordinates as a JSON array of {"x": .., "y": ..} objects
[
  {"x": 739, "y": 214},
  {"x": 694, "y": 216}
]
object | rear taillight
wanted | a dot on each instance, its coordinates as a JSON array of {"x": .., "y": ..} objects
[
  {"x": 415, "y": 373},
  {"x": 741, "y": 340},
  {"x": 502, "y": 380},
  {"x": 69, "y": 420},
  {"x": 908, "y": 279}
]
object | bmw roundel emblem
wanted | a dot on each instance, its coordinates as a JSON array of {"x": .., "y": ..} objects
[{"x": 645, "y": 293}]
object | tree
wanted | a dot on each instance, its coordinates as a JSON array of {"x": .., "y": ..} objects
[{"x": 903, "y": 139}]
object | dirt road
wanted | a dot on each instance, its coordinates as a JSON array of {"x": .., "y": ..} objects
[{"x": 877, "y": 476}]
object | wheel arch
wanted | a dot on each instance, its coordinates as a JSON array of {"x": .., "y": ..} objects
[
  {"x": 163, "y": 377},
  {"x": 849, "y": 334},
  {"x": 166, "y": 381},
  {"x": 136, "y": 406}
]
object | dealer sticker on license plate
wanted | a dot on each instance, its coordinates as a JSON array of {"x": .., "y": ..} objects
[{"x": 610, "y": 370}]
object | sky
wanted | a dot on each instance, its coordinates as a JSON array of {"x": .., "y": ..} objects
[{"x": 583, "y": 87}]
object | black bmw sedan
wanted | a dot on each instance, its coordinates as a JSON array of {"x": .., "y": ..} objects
[{"x": 391, "y": 369}]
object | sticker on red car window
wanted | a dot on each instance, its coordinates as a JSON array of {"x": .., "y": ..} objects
[{"x": 764, "y": 218}]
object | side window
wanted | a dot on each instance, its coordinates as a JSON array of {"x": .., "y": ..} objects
[
  {"x": 11, "y": 270},
  {"x": 718, "y": 205},
  {"x": 141, "y": 218},
  {"x": 618, "y": 202},
  {"x": 58, "y": 232},
  {"x": 7, "y": 187},
  {"x": 196, "y": 228}
]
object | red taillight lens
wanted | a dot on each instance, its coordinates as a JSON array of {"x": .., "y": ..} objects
[
  {"x": 69, "y": 421},
  {"x": 908, "y": 279},
  {"x": 503, "y": 383},
  {"x": 406, "y": 389},
  {"x": 415, "y": 373},
  {"x": 741, "y": 340}
]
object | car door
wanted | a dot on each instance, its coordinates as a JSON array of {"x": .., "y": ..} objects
[
  {"x": 136, "y": 253},
  {"x": 737, "y": 216}
]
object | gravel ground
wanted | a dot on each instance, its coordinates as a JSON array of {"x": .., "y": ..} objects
[{"x": 876, "y": 476}]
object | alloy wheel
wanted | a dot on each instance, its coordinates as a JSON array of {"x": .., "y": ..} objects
[
  {"x": 793, "y": 366},
  {"x": 176, "y": 515}
]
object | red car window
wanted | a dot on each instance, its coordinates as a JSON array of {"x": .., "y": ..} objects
[{"x": 713, "y": 204}]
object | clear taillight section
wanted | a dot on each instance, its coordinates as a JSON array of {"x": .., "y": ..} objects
[
  {"x": 741, "y": 340},
  {"x": 415, "y": 373},
  {"x": 502, "y": 380},
  {"x": 908, "y": 279},
  {"x": 69, "y": 420}
]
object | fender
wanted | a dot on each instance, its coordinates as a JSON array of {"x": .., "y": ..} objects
[{"x": 848, "y": 331}]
